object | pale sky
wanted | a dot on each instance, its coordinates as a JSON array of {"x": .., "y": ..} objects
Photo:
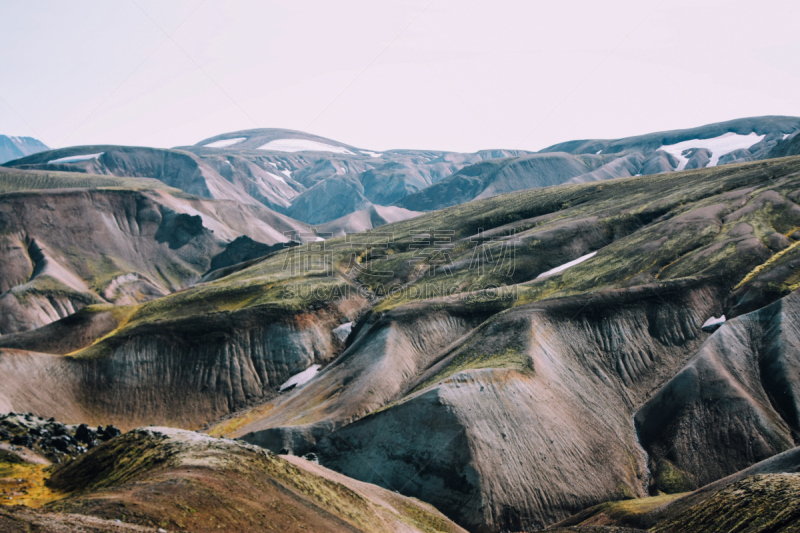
[{"x": 444, "y": 74}]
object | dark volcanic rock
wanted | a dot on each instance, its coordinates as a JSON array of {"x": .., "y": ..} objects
[
  {"x": 734, "y": 404},
  {"x": 51, "y": 439},
  {"x": 244, "y": 249}
]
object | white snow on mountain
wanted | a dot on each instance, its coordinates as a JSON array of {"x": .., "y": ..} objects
[
  {"x": 565, "y": 266},
  {"x": 719, "y": 146},
  {"x": 302, "y": 145},
  {"x": 225, "y": 142},
  {"x": 302, "y": 378},
  {"x": 75, "y": 158},
  {"x": 343, "y": 331}
]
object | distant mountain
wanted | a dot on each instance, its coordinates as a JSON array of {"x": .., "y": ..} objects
[
  {"x": 16, "y": 147},
  {"x": 735, "y": 141},
  {"x": 366, "y": 219},
  {"x": 317, "y": 180},
  {"x": 292, "y": 172}
]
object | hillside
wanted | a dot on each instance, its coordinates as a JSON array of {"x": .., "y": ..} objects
[
  {"x": 421, "y": 355},
  {"x": 69, "y": 240},
  {"x": 155, "y": 478}
]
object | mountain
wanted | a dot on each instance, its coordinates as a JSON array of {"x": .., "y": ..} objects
[
  {"x": 568, "y": 343},
  {"x": 734, "y": 141},
  {"x": 94, "y": 240},
  {"x": 291, "y": 172},
  {"x": 296, "y": 173},
  {"x": 739, "y": 140},
  {"x": 365, "y": 220},
  {"x": 16, "y": 147},
  {"x": 511, "y": 360}
]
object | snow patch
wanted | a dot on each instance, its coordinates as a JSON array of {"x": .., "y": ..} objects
[
  {"x": 371, "y": 154},
  {"x": 599, "y": 152},
  {"x": 298, "y": 380},
  {"x": 75, "y": 158},
  {"x": 713, "y": 323},
  {"x": 277, "y": 177},
  {"x": 343, "y": 331},
  {"x": 719, "y": 146},
  {"x": 302, "y": 145},
  {"x": 785, "y": 135},
  {"x": 225, "y": 142},
  {"x": 565, "y": 266}
]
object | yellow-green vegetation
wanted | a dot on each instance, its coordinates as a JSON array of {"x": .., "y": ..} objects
[
  {"x": 13, "y": 180},
  {"x": 229, "y": 425},
  {"x": 658, "y": 229},
  {"x": 23, "y": 483},
  {"x": 766, "y": 264},
  {"x": 634, "y": 513},
  {"x": 241, "y": 476},
  {"x": 762, "y": 503},
  {"x": 672, "y": 480},
  {"x": 473, "y": 356},
  {"x": 418, "y": 516},
  {"x": 343, "y": 501},
  {"x": 47, "y": 286}
]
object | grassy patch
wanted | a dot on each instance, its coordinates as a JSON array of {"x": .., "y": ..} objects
[{"x": 23, "y": 483}]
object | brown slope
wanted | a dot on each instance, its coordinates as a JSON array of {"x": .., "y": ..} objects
[
  {"x": 182, "y": 372},
  {"x": 178, "y": 479},
  {"x": 376, "y": 369},
  {"x": 61, "y": 250},
  {"x": 647, "y": 513},
  {"x": 530, "y": 419}
]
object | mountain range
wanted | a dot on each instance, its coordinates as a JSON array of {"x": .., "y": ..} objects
[{"x": 297, "y": 333}]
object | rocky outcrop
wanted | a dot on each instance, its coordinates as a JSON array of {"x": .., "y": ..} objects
[{"x": 51, "y": 439}]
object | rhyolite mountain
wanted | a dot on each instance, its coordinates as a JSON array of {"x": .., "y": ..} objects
[
  {"x": 12, "y": 147},
  {"x": 733, "y": 141},
  {"x": 514, "y": 360},
  {"x": 95, "y": 240},
  {"x": 297, "y": 174},
  {"x": 293, "y": 173}
]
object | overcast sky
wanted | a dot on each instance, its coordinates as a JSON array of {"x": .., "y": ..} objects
[{"x": 444, "y": 74}]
